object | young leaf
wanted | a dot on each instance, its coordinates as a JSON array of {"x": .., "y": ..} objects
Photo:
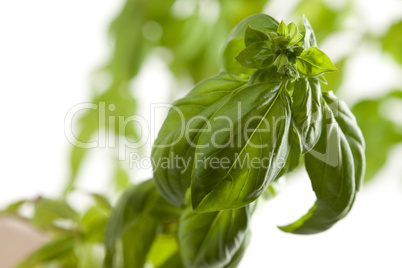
[
  {"x": 282, "y": 29},
  {"x": 295, "y": 39},
  {"x": 235, "y": 41},
  {"x": 313, "y": 62},
  {"x": 272, "y": 36},
  {"x": 292, "y": 30},
  {"x": 180, "y": 130},
  {"x": 256, "y": 56},
  {"x": 212, "y": 239},
  {"x": 307, "y": 112},
  {"x": 332, "y": 173},
  {"x": 281, "y": 60},
  {"x": 253, "y": 36},
  {"x": 253, "y": 125}
]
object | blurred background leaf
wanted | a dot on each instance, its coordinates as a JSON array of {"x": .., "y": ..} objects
[
  {"x": 381, "y": 134},
  {"x": 392, "y": 41}
]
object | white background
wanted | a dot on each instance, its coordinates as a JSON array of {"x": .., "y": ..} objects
[{"x": 48, "y": 53}]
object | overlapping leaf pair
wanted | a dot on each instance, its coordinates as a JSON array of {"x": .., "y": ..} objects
[{"x": 236, "y": 133}]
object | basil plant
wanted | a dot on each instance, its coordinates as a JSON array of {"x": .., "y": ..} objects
[{"x": 227, "y": 142}]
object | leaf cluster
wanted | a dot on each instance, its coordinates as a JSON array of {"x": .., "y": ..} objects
[{"x": 269, "y": 71}]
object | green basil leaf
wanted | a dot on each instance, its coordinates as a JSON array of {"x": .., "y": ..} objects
[
  {"x": 47, "y": 211},
  {"x": 140, "y": 201},
  {"x": 261, "y": 22},
  {"x": 313, "y": 62},
  {"x": 265, "y": 76},
  {"x": 294, "y": 156},
  {"x": 229, "y": 62},
  {"x": 137, "y": 241},
  {"x": 307, "y": 112},
  {"x": 256, "y": 56},
  {"x": 163, "y": 249},
  {"x": 331, "y": 170},
  {"x": 334, "y": 80},
  {"x": 347, "y": 122},
  {"x": 176, "y": 140},
  {"x": 273, "y": 36},
  {"x": 253, "y": 36},
  {"x": 173, "y": 262},
  {"x": 295, "y": 39},
  {"x": 86, "y": 255},
  {"x": 212, "y": 239},
  {"x": 135, "y": 203},
  {"x": 136, "y": 220},
  {"x": 94, "y": 225},
  {"x": 309, "y": 35},
  {"x": 321, "y": 78},
  {"x": 240, "y": 252},
  {"x": 102, "y": 202},
  {"x": 13, "y": 208},
  {"x": 282, "y": 29},
  {"x": 281, "y": 60},
  {"x": 56, "y": 249},
  {"x": 253, "y": 125},
  {"x": 292, "y": 30},
  {"x": 235, "y": 42}
]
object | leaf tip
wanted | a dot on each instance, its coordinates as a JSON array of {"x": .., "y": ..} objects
[
  {"x": 282, "y": 28},
  {"x": 286, "y": 228}
]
